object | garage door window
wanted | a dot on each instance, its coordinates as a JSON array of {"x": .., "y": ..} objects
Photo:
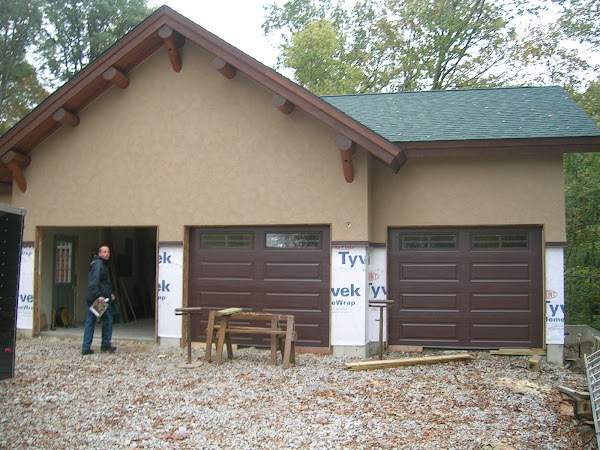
[
  {"x": 491, "y": 241},
  {"x": 294, "y": 240},
  {"x": 428, "y": 241},
  {"x": 226, "y": 240}
]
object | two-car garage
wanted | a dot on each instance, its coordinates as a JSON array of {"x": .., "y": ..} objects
[{"x": 453, "y": 287}]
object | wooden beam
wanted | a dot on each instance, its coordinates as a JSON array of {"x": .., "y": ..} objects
[
  {"x": 172, "y": 41},
  {"x": 18, "y": 176},
  {"x": 15, "y": 161},
  {"x": 283, "y": 104},
  {"x": 116, "y": 77},
  {"x": 66, "y": 117},
  {"x": 224, "y": 68},
  {"x": 386, "y": 363},
  {"x": 347, "y": 148},
  {"x": 18, "y": 158},
  {"x": 518, "y": 351}
]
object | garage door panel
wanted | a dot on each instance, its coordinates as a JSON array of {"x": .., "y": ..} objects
[
  {"x": 500, "y": 272},
  {"x": 429, "y": 302},
  {"x": 429, "y": 272},
  {"x": 290, "y": 270},
  {"x": 501, "y": 303},
  {"x": 213, "y": 300},
  {"x": 488, "y": 288},
  {"x": 299, "y": 301},
  {"x": 490, "y": 332},
  {"x": 309, "y": 331},
  {"x": 229, "y": 270},
  {"x": 430, "y": 332}
]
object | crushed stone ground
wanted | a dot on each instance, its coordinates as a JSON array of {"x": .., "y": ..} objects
[{"x": 139, "y": 397}]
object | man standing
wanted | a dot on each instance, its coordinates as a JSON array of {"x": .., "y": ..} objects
[{"x": 99, "y": 287}]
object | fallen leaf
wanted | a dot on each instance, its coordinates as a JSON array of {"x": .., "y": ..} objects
[{"x": 177, "y": 436}]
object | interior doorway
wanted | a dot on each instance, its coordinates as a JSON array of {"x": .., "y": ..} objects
[{"x": 63, "y": 287}]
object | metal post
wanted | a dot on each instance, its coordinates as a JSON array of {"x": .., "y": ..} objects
[
  {"x": 189, "y": 338},
  {"x": 381, "y": 304},
  {"x": 381, "y": 331}
]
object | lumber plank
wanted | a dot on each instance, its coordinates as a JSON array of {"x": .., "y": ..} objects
[
  {"x": 574, "y": 393},
  {"x": 519, "y": 352},
  {"x": 255, "y": 330},
  {"x": 229, "y": 311},
  {"x": 384, "y": 364}
]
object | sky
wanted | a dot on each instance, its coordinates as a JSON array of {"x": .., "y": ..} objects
[{"x": 237, "y": 22}]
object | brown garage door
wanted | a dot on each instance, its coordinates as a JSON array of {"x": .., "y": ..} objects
[
  {"x": 475, "y": 287},
  {"x": 280, "y": 270}
]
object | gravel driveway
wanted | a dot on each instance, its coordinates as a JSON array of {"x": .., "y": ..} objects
[{"x": 140, "y": 398}]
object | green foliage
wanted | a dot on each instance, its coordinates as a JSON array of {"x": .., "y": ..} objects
[
  {"x": 443, "y": 44},
  {"x": 582, "y": 256},
  {"x": 20, "y": 90},
  {"x": 78, "y": 31},
  {"x": 580, "y": 19},
  {"x": 63, "y": 35},
  {"x": 321, "y": 67},
  {"x": 395, "y": 44}
]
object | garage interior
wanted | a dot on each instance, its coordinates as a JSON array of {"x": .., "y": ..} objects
[{"x": 66, "y": 253}]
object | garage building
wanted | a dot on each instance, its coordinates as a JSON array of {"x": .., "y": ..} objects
[{"x": 219, "y": 182}]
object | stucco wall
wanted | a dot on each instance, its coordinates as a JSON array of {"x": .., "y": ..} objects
[
  {"x": 6, "y": 198},
  {"x": 192, "y": 148},
  {"x": 517, "y": 190}
]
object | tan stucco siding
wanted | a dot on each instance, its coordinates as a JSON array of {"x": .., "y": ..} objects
[
  {"x": 6, "y": 198},
  {"x": 192, "y": 148},
  {"x": 521, "y": 190}
]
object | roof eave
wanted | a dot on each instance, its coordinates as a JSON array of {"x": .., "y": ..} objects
[
  {"x": 529, "y": 146},
  {"x": 145, "y": 35}
]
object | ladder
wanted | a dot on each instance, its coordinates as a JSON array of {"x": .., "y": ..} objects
[{"x": 592, "y": 373}]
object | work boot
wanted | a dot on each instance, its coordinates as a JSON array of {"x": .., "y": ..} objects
[
  {"x": 87, "y": 352},
  {"x": 110, "y": 349}
]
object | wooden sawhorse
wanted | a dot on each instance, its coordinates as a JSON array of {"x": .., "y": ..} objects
[{"x": 284, "y": 339}]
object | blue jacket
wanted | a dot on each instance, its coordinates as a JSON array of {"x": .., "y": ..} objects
[{"x": 99, "y": 284}]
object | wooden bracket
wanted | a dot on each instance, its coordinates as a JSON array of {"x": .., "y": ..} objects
[
  {"x": 347, "y": 148},
  {"x": 173, "y": 41},
  {"x": 15, "y": 161},
  {"x": 116, "y": 77},
  {"x": 283, "y": 104},
  {"x": 66, "y": 117},
  {"x": 224, "y": 68}
]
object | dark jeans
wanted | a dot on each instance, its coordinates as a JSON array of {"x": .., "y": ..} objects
[{"x": 90, "y": 324}]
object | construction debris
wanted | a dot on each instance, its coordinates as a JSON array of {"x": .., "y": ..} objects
[
  {"x": 580, "y": 400},
  {"x": 387, "y": 363},
  {"x": 533, "y": 363}
]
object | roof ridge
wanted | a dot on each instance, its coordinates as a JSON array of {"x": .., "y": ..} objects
[{"x": 495, "y": 89}]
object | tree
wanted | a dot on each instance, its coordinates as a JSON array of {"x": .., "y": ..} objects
[
  {"x": 582, "y": 256},
  {"x": 328, "y": 48},
  {"x": 580, "y": 19},
  {"x": 78, "y": 31},
  {"x": 20, "y": 24},
  {"x": 321, "y": 67},
  {"x": 446, "y": 43},
  {"x": 398, "y": 44},
  {"x": 552, "y": 48}
]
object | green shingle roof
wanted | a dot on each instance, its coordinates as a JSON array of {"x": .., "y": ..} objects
[{"x": 474, "y": 114}]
